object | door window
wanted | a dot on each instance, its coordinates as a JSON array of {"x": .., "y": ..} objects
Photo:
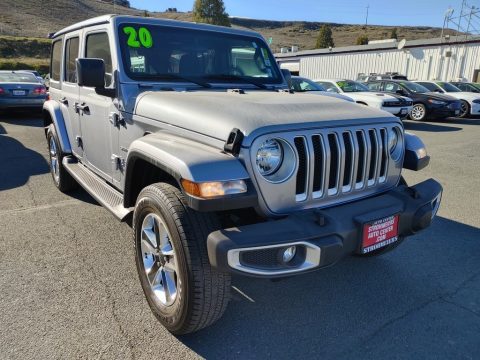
[
  {"x": 71, "y": 54},
  {"x": 391, "y": 87},
  {"x": 55, "y": 60},
  {"x": 375, "y": 86},
  {"x": 328, "y": 86},
  {"x": 98, "y": 47}
]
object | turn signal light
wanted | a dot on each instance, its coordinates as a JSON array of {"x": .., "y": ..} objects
[{"x": 214, "y": 188}]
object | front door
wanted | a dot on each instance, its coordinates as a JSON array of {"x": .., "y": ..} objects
[{"x": 95, "y": 109}]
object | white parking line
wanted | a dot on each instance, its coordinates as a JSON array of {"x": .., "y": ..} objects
[{"x": 42, "y": 207}]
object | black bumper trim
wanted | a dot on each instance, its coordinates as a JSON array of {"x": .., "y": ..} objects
[{"x": 337, "y": 230}]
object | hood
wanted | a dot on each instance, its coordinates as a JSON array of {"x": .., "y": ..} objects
[
  {"x": 465, "y": 96},
  {"x": 370, "y": 96},
  {"x": 334, "y": 95},
  {"x": 216, "y": 113}
]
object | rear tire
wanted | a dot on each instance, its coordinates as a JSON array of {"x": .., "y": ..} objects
[
  {"x": 187, "y": 294},
  {"x": 61, "y": 178}
]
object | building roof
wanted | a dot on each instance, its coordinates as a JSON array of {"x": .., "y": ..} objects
[{"x": 461, "y": 39}]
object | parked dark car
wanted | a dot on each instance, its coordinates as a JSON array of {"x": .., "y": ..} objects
[
  {"x": 21, "y": 90},
  {"x": 426, "y": 104},
  {"x": 467, "y": 87}
]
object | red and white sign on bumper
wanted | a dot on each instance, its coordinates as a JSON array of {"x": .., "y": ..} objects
[{"x": 380, "y": 233}]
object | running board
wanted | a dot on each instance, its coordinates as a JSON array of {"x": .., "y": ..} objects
[{"x": 105, "y": 194}]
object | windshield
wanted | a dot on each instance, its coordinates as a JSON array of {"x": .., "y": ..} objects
[
  {"x": 152, "y": 53},
  {"x": 414, "y": 88},
  {"x": 448, "y": 87},
  {"x": 18, "y": 78},
  {"x": 303, "y": 85},
  {"x": 352, "y": 86}
]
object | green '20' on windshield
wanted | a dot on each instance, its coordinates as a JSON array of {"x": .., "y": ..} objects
[{"x": 136, "y": 39}]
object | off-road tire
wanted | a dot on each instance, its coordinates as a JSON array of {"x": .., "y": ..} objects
[
  {"x": 64, "y": 181},
  {"x": 202, "y": 292}
]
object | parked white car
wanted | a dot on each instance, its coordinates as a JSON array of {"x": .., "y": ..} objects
[
  {"x": 304, "y": 85},
  {"x": 470, "y": 101},
  {"x": 395, "y": 104}
]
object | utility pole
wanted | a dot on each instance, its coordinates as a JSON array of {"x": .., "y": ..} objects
[{"x": 366, "y": 18}]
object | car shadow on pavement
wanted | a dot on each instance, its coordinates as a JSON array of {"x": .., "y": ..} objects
[
  {"x": 22, "y": 118},
  {"x": 430, "y": 127},
  {"x": 2, "y": 130},
  {"x": 358, "y": 307},
  {"x": 18, "y": 163}
]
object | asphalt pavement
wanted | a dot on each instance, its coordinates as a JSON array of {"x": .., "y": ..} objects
[{"x": 69, "y": 288}]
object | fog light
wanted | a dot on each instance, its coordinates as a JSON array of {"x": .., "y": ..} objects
[{"x": 289, "y": 254}]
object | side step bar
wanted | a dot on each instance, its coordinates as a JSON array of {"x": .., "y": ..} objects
[{"x": 106, "y": 195}]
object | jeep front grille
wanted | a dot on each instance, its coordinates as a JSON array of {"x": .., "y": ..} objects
[
  {"x": 333, "y": 165},
  {"x": 343, "y": 161}
]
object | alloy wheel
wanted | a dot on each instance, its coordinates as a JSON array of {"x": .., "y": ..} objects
[
  {"x": 54, "y": 164},
  {"x": 158, "y": 257},
  {"x": 418, "y": 112}
]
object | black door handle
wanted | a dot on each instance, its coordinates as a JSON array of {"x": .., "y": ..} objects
[
  {"x": 64, "y": 101},
  {"x": 83, "y": 107}
]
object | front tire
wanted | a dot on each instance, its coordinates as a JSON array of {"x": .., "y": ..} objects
[
  {"x": 465, "y": 109},
  {"x": 418, "y": 113},
  {"x": 184, "y": 292},
  {"x": 61, "y": 178}
]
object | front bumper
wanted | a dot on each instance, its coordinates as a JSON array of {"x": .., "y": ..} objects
[
  {"x": 401, "y": 112},
  {"x": 324, "y": 236}
]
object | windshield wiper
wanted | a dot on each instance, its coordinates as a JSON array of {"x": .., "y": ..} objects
[
  {"x": 238, "y": 77},
  {"x": 180, "y": 77}
]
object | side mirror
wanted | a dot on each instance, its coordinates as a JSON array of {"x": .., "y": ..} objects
[
  {"x": 91, "y": 73},
  {"x": 400, "y": 92},
  {"x": 288, "y": 77}
]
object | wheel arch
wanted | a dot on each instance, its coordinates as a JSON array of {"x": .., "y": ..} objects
[{"x": 52, "y": 114}]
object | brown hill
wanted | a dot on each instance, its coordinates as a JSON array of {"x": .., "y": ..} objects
[{"x": 38, "y": 18}]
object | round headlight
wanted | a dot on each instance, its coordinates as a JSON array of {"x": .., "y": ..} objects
[
  {"x": 392, "y": 140},
  {"x": 269, "y": 157}
]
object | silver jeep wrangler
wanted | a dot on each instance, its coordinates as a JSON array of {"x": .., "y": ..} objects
[{"x": 189, "y": 133}]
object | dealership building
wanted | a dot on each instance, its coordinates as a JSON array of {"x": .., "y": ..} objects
[{"x": 447, "y": 59}]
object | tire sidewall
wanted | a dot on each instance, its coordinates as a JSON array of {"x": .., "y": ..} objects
[
  {"x": 51, "y": 133},
  {"x": 424, "y": 112},
  {"x": 173, "y": 316},
  {"x": 464, "y": 115}
]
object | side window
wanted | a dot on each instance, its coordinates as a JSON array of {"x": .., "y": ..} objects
[
  {"x": 374, "y": 86},
  {"x": 391, "y": 87},
  {"x": 98, "y": 47},
  {"x": 328, "y": 86},
  {"x": 71, "y": 54},
  {"x": 55, "y": 61}
]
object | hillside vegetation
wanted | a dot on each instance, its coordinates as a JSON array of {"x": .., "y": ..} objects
[{"x": 35, "y": 19}]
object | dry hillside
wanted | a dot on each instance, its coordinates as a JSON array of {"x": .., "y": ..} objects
[{"x": 38, "y": 18}]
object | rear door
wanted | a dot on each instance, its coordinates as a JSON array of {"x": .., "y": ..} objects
[
  {"x": 70, "y": 92},
  {"x": 98, "y": 134}
]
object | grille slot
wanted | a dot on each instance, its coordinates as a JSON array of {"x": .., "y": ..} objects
[
  {"x": 301, "y": 188},
  {"x": 334, "y": 161},
  {"x": 342, "y": 161},
  {"x": 318, "y": 154}
]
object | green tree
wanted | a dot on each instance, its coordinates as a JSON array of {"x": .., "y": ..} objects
[
  {"x": 210, "y": 12},
  {"x": 325, "y": 38},
  {"x": 362, "y": 40},
  {"x": 393, "y": 34}
]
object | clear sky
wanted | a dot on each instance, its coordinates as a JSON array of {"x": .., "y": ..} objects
[{"x": 381, "y": 12}]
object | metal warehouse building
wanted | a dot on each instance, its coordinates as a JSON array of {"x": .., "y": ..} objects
[{"x": 449, "y": 58}]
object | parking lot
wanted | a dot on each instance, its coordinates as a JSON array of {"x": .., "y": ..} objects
[{"x": 69, "y": 287}]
